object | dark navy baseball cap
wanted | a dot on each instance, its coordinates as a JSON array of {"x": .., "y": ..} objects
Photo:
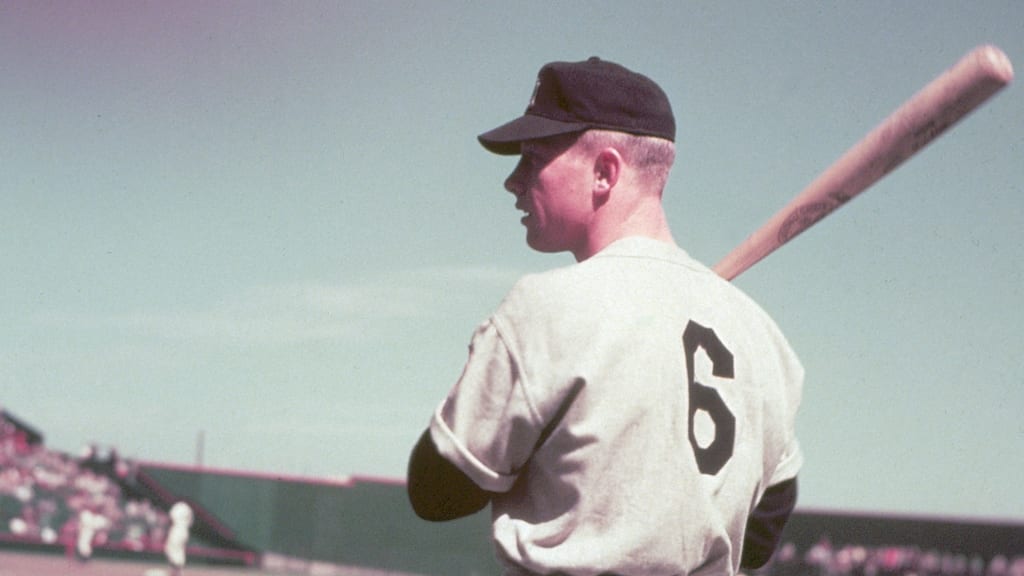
[{"x": 576, "y": 96}]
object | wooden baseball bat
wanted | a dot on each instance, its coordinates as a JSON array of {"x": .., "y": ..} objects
[{"x": 951, "y": 96}]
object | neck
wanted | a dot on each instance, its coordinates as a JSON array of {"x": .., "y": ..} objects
[{"x": 646, "y": 219}]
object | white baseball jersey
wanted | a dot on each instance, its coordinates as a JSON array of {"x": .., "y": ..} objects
[
  {"x": 177, "y": 537},
  {"x": 631, "y": 409},
  {"x": 89, "y": 523}
]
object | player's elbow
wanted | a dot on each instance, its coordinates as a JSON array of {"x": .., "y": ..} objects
[
  {"x": 437, "y": 490},
  {"x": 424, "y": 505},
  {"x": 433, "y": 509}
]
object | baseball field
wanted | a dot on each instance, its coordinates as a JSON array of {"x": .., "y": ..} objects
[{"x": 29, "y": 564}]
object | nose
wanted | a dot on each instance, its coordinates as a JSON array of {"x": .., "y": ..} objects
[
  {"x": 514, "y": 182},
  {"x": 510, "y": 184}
]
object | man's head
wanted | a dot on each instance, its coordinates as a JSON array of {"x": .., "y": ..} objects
[
  {"x": 596, "y": 146},
  {"x": 571, "y": 97},
  {"x": 583, "y": 191}
]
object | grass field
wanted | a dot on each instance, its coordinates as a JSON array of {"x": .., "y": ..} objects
[{"x": 28, "y": 564}]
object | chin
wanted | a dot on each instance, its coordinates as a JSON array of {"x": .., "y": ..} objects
[
  {"x": 545, "y": 243},
  {"x": 544, "y": 247}
]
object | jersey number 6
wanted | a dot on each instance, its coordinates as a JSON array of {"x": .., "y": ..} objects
[{"x": 710, "y": 458}]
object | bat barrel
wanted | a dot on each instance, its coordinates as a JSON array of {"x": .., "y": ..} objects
[
  {"x": 920, "y": 120},
  {"x": 995, "y": 62}
]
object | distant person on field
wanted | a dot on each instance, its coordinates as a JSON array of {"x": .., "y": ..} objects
[
  {"x": 177, "y": 537},
  {"x": 89, "y": 524}
]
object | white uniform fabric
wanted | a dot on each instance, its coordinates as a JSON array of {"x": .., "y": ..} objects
[
  {"x": 177, "y": 537},
  {"x": 89, "y": 523},
  {"x": 590, "y": 359}
]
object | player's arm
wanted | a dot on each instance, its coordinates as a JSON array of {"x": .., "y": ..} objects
[
  {"x": 765, "y": 524},
  {"x": 437, "y": 489}
]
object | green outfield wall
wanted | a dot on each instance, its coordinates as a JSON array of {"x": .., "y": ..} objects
[{"x": 358, "y": 522}]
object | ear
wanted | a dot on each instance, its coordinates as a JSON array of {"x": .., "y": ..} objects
[{"x": 608, "y": 166}]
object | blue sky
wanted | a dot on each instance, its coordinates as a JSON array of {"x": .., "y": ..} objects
[{"x": 270, "y": 223}]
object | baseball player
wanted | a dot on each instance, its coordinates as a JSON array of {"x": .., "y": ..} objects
[
  {"x": 630, "y": 414},
  {"x": 90, "y": 525},
  {"x": 177, "y": 537}
]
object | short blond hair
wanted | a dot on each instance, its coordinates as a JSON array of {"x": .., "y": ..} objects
[{"x": 652, "y": 156}]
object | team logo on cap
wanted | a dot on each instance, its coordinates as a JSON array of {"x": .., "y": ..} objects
[{"x": 533, "y": 97}]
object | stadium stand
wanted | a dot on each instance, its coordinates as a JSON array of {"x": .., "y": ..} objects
[{"x": 45, "y": 495}]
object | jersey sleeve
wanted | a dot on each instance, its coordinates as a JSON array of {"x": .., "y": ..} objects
[
  {"x": 487, "y": 426},
  {"x": 790, "y": 378},
  {"x": 791, "y": 462}
]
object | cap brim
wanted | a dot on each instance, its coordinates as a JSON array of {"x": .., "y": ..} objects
[{"x": 505, "y": 139}]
